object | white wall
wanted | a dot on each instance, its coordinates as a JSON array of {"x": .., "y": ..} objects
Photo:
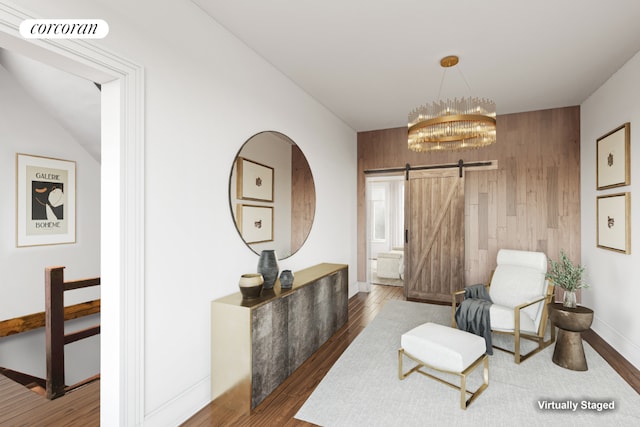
[
  {"x": 27, "y": 128},
  {"x": 614, "y": 291},
  {"x": 207, "y": 93}
]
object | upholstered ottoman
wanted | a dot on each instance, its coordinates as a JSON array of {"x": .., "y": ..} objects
[{"x": 448, "y": 350}]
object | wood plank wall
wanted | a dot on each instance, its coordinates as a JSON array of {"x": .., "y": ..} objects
[
  {"x": 303, "y": 198},
  {"x": 530, "y": 202}
]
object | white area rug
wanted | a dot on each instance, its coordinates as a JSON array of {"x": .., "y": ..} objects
[{"x": 363, "y": 389}]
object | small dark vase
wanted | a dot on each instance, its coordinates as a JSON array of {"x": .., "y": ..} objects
[
  {"x": 268, "y": 267},
  {"x": 286, "y": 279}
]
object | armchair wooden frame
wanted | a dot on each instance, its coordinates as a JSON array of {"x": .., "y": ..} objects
[{"x": 517, "y": 333}]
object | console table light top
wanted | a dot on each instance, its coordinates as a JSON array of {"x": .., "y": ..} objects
[{"x": 300, "y": 278}]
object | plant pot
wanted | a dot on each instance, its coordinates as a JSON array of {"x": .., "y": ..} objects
[{"x": 569, "y": 299}]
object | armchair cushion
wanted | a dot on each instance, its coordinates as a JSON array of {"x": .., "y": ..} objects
[
  {"x": 502, "y": 319},
  {"x": 519, "y": 278}
]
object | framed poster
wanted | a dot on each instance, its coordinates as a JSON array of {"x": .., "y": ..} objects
[
  {"x": 255, "y": 223},
  {"x": 614, "y": 222},
  {"x": 255, "y": 180},
  {"x": 613, "y": 158},
  {"x": 46, "y": 201}
]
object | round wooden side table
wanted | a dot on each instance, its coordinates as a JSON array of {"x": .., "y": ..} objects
[{"x": 569, "y": 351}]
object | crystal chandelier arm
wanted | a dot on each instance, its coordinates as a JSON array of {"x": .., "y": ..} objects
[{"x": 452, "y": 119}]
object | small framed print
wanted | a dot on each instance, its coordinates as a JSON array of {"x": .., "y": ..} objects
[
  {"x": 46, "y": 201},
  {"x": 255, "y": 180},
  {"x": 613, "y": 158},
  {"x": 614, "y": 222},
  {"x": 255, "y": 223}
]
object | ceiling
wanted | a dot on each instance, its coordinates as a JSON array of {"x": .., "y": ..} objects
[
  {"x": 371, "y": 62},
  {"x": 72, "y": 101}
]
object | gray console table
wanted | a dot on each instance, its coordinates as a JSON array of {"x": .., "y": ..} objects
[{"x": 256, "y": 344}]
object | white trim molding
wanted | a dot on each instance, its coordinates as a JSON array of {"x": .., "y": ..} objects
[
  {"x": 364, "y": 287},
  {"x": 122, "y": 188}
]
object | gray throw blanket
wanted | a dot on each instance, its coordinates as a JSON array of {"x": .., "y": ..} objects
[{"x": 472, "y": 315}]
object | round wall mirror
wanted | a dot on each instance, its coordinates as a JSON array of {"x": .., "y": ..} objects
[{"x": 272, "y": 194}]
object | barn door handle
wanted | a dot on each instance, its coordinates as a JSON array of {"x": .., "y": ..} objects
[{"x": 406, "y": 236}]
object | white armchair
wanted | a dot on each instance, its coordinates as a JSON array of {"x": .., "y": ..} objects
[{"x": 520, "y": 295}]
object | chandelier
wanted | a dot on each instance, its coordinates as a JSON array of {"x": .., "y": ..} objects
[{"x": 452, "y": 124}]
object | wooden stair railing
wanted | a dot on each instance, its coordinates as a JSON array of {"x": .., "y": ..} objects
[
  {"x": 29, "y": 322},
  {"x": 55, "y": 286}
]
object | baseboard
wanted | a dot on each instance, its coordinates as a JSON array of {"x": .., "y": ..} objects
[
  {"x": 182, "y": 407},
  {"x": 627, "y": 349},
  {"x": 364, "y": 287}
]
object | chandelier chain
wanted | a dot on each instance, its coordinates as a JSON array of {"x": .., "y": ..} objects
[
  {"x": 465, "y": 81},
  {"x": 444, "y": 74}
]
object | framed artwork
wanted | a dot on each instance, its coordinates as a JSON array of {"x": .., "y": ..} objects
[
  {"x": 255, "y": 223},
  {"x": 613, "y": 157},
  {"x": 46, "y": 201},
  {"x": 255, "y": 180},
  {"x": 614, "y": 222}
]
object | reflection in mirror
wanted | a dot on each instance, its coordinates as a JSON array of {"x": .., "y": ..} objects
[{"x": 272, "y": 194}]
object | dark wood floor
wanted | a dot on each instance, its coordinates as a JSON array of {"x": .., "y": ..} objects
[
  {"x": 280, "y": 406},
  {"x": 21, "y": 407}
]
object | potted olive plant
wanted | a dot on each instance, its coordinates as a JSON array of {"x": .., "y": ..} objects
[{"x": 567, "y": 276}]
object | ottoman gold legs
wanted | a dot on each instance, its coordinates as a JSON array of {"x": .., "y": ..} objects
[{"x": 464, "y": 402}]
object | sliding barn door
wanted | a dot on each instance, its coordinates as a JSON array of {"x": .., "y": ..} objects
[{"x": 434, "y": 239}]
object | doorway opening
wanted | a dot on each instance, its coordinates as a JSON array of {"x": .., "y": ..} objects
[
  {"x": 385, "y": 230},
  {"x": 67, "y": 109},
  {"x": 122, "y": 201}
]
